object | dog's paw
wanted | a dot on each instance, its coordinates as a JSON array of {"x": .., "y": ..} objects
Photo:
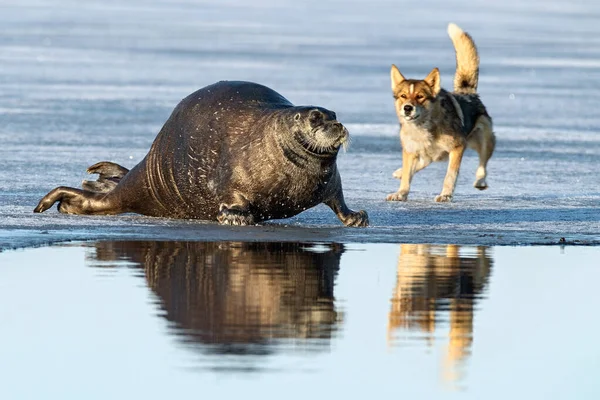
[
  {"x": 443, "y": 198},
  {"x": 397, "y": 173},
  {"x": 397, "y": 196},
  {"x": 480, "y": 184},
  {"x": 357, "y": 219},
  {"x": 228, "y": 216}
]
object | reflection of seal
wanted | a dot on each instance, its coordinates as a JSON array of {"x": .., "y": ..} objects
[
  {"x": 238, "y": 297},
  {"x": 237, "y": 152}
]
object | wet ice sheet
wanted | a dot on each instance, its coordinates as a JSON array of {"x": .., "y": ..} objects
[
  {"x": 155, "y": 319},
  {"x": 84, "y": 82}
]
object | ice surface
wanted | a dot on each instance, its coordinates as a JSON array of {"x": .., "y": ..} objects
[{"x": 82, "y": 82}]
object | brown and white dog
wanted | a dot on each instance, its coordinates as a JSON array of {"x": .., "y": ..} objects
[{"x": 438, "y": 125}]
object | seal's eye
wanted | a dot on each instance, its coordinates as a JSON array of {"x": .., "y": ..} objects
[{"x": 315, "y": 118}]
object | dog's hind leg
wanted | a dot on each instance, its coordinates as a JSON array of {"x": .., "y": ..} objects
[{"x": 482, "y": 139}]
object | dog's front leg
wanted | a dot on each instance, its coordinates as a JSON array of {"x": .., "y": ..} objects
[
  {"x": 420, "y": 164},
  {"x": 409, "y": 162},
  {"x": 455, "y": 158}
]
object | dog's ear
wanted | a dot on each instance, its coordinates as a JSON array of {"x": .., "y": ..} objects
[
  {"x": 433, "y": 80},
  {"x": 396, "y": 77}
]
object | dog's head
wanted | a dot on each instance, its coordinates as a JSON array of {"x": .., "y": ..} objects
[{"x": 414, "y": 99}]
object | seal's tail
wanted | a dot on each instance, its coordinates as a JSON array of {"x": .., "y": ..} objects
[
  {"x": 467, "y": 61},
  {"x": 110, "y": 176}
]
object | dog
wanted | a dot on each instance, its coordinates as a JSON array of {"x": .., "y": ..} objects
[
  {"x": 437, "y": 125},
  {"x": 438, "y": 291}
]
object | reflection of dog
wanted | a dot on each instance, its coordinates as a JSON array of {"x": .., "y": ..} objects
[
  {"x": 236, "y": 297},
  {"x": 438, "y": 125},
  {"x": 434, "y": 280}
]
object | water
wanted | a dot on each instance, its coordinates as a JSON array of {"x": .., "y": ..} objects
[
  {"x": 147, "y": 319},
  {"x": 87, "y": 81}
]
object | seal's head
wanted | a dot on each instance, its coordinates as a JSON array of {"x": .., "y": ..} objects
[{"x": 318, "y": 131}]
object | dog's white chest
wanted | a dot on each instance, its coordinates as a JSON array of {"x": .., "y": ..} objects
[
  {"x": 421, "y": 142},
  {"x": 415, "y": 143}
]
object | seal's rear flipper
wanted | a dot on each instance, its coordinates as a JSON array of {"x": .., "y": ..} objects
[
  {"x": 100, "y": 186},
  {"x": 108, "y": 169},
  {"x": 74, "y": 201},
  {"x": 110, "y": 176}
]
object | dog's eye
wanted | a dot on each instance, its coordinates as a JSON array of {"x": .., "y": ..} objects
[
  {"x": 403, "y": 96},
  {"x": 419, "y": 97}
]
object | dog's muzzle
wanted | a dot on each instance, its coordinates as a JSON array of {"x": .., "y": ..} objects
[{"x": 409, "y": 111}]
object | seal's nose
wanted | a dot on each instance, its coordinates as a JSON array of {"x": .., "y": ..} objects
[{"x": 341, "y": 128}]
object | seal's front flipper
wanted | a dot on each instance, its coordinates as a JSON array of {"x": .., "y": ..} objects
[
  {"x": 355, "y": 218},
  {"x": 110, "y": 176},
  {"x": 346, "y": 215},
  {"x": 236, "y": 212},
  {"x": 72, "y": 201},
  {"x": 234, "y": 215}
]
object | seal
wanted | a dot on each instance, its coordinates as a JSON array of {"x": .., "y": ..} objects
[{"x": 235, "y": 152}]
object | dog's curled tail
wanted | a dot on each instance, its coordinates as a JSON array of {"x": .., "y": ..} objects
[{"x": 467, "y": 60}]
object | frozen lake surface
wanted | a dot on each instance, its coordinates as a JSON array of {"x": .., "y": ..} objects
[
  {"x": 82, "y": 82},
  {"x": 155, "y": 320}
]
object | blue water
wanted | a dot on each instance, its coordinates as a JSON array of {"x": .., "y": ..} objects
[
  {"x": 85, "y": 81},
  {"x": 144, "y": 319}
]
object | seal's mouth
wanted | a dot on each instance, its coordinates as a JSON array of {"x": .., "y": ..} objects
[
  {"x": 325, "y": 140},
  {"x": 317, "y": 147}
]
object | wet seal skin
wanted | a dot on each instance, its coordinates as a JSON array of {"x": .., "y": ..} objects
[{"x": 235, "y": 152}]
